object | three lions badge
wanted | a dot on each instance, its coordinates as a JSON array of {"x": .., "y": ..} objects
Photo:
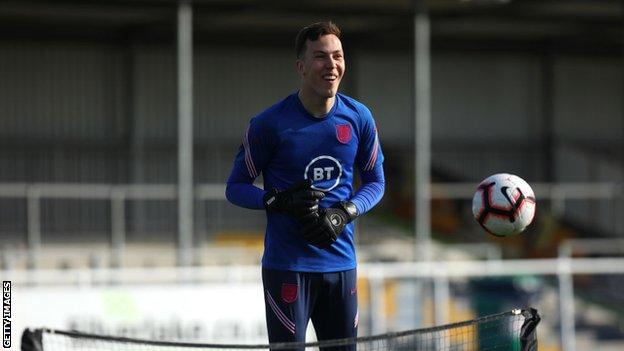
[{"x": 343, "y": 133}]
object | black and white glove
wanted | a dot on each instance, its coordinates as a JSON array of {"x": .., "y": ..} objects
[
  {"x": 299, "y": 201},
  {"x": 330, "y": 223}
]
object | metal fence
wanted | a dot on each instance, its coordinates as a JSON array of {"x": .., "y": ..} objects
[{"x": 118, "y": 196}]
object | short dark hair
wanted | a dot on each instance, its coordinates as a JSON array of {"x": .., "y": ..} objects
[{"x": 312, "y": 33}]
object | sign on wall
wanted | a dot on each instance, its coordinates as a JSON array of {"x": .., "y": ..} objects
[{"x": 210, "y": 313}]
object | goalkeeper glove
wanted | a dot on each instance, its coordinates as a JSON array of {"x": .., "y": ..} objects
[
  {"x": 299, "y": 201},
  {"x": 330, "y": 223}
]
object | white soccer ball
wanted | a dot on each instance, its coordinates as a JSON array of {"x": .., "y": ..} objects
[{"x": 504, "y": 204}]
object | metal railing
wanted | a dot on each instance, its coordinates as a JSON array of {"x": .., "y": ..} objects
[{"x": 118, "y": 195}]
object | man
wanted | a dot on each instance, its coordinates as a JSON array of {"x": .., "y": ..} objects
[{"x": 307, "y": 147}]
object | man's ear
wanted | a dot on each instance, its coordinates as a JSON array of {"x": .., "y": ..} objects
[{"x": 299, "y": 66}]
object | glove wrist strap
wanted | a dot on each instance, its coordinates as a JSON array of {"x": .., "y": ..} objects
[
  {"x": 350, "y": 209},
  {"x": 270, "y": 200}
]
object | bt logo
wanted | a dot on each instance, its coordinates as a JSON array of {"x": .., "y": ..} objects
[
  {"x": 322, "y": 173},
  {"x": 325, "y": 173}
]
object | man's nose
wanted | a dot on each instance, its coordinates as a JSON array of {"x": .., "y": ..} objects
[{"x": 330, "y": 63}]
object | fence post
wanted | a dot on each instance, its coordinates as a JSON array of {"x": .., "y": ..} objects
[
  {"x": 566, "y": 304},
  {"x": 441, "y": 299},
  {"x": 377, "y": 300},
  {"x": 118, "y": 226},
  {"x": 33, "y": 215}
]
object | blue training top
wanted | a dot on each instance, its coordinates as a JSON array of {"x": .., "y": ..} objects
[{"x": 287, "y": 144}]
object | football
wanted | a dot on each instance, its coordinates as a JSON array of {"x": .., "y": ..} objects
[{"x": 504, "y": 204}]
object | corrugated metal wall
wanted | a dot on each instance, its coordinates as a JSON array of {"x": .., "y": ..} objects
[
  {"x": 588, "y": 99},
  {"x": 89, "y": 112},
  {"x": 60, "y": 90},
  {"x": 231, "y": 85},
  {"x": 476, "y": 99}
]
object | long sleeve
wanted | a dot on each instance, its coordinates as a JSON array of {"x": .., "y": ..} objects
[
  {"x": 371, "y": 191},
  {"x": 244, "y": 194},
  {"x": 370, "y": 163},
  {"x": 253, "y": 154}
]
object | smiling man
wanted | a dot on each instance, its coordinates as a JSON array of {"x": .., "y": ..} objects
[
  {"x": 307, "y": 147},
  {"x": 321, "y": 65}
]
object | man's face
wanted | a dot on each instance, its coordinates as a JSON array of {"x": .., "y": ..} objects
[{"x": 322, "y": 66}]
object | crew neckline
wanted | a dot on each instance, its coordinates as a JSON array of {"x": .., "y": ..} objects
[{"x": 309, "y": 115}]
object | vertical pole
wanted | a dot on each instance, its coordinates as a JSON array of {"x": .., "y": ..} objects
[
  {"x": 423, "y": 134},
  {"x": 377, "y": 308},
  {"x": 34, "y": 226},
  {"x": 419, "y": 293},
  {"x": 118, "y": 227},
  {"x": 441, "y": 299},
  {"x": 185, "y": 132},
  {"x": 620, "y": 231},
  {"x": 441, "y": 303},
  {"x": 566, "y": 305}
]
